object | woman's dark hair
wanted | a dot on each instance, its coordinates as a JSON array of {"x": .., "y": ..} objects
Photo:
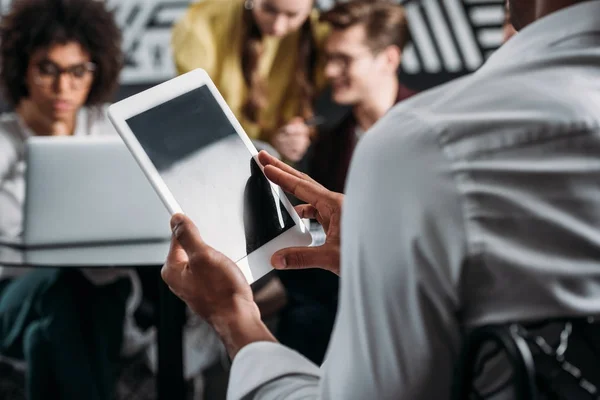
[
  {"x": 39, "y": 24},
  {"x": 252, "y": 49}
]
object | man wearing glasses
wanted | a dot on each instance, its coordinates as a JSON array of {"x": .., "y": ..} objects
[
  {"x": 363, "y": 51},
  {"x": 59, "y": 64},
  {"x": 471, "y": 204}
]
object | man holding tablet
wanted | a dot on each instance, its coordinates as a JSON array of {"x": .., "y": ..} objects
[
  {"x": 200, "y": 161},
  {"x": 363, "y": 53},
  {"x": 484, "y": 210}
]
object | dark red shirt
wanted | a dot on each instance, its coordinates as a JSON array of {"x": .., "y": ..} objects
[
  {"x": 333, "y": 149},
  {"x": 306, "y": 322}
]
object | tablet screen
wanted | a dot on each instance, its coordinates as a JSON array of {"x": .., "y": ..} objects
[{"x": 211, "y": 173}]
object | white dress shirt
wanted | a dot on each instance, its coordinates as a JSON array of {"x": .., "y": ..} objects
[{"x": 474, "y": 203}]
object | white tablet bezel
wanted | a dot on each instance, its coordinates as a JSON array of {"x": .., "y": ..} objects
[{"x": 256, "y": 264}]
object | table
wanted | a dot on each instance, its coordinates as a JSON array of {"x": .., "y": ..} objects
[{"x": 171, "y": 318}]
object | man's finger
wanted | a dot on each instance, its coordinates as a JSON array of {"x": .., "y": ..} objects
[
  {"x": 177, "y": 255},
  {"x": 306, "y": 191},
  {"x": 307, "y": 211},
  {"x": 186, "y": 233},
  {"x": 174, "y": 247},
  {"x": 171, "y": 275},
  {"x": 306, "y": 257},
  {"x": 266, "y": 159},
  {"x": 310, "y": 212}
]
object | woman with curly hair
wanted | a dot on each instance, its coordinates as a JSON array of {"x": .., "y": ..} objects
[{"x": 59, "y": 64}]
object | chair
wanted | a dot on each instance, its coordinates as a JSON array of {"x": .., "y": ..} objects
[{"x": 554, "y": 359}]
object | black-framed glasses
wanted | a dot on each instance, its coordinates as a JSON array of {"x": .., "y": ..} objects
[
  {"x": 48, "y": 73},
  {"x": 344, "y": 61}
]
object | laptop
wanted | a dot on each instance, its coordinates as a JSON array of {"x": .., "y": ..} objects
[{"x": 87, "y": 190}]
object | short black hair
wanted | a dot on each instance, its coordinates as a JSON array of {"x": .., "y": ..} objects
[{"x": 37, "y": 24}]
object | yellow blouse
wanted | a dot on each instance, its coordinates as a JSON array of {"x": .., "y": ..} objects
[{"x": 209, "y": 36}]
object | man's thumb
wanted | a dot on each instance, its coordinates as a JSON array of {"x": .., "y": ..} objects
[
  {"x": 303, "y": 257},
  {"x": 186, "y": 233}
]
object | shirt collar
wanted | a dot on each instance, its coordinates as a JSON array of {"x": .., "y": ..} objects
[{"x": 540, "y": 34}]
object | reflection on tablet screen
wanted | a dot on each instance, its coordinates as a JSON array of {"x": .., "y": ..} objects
[{"x": 210, "y": 172}]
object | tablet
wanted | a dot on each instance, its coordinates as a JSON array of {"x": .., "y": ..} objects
[{"x": 201, "y": 162}]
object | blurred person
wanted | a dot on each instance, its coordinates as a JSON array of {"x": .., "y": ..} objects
[
  {"x": 473, "y": 203},
  {"x": 264, "y": 56},
  {"x": 59, "y": 64},
  {"x": 363, "y": 54}
]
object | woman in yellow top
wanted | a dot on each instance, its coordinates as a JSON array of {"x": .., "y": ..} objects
[{"x": 264, "y": 57}]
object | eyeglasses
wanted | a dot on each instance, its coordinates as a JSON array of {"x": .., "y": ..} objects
[
  {"x": 344, "y": 61},
  {"x": 48, "y": 73}
]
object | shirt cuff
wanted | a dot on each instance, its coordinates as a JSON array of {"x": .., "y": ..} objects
[{"x": 262, "y": 362}]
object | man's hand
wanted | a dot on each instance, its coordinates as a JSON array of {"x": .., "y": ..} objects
[
  {"x": 323, "y": 205},
  {"x": 292, "y": 140},
  {"x": 213, "y": 287}
]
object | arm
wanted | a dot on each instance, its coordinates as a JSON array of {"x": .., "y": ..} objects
[{"x": 396, "y": 335}]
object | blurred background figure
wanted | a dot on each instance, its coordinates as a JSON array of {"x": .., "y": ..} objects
[
  {"x": 363, "y": 55},
  {"x": 60, "y": 62},
  {"x": 264, "y": 57}
]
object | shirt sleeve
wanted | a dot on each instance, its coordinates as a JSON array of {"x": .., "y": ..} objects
[
  {"x": 397, "y": 334},
  {"x": 11, "y": 187},
  {"x": 7, "y": 155},
  {"x": 192, "y": 43}
]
